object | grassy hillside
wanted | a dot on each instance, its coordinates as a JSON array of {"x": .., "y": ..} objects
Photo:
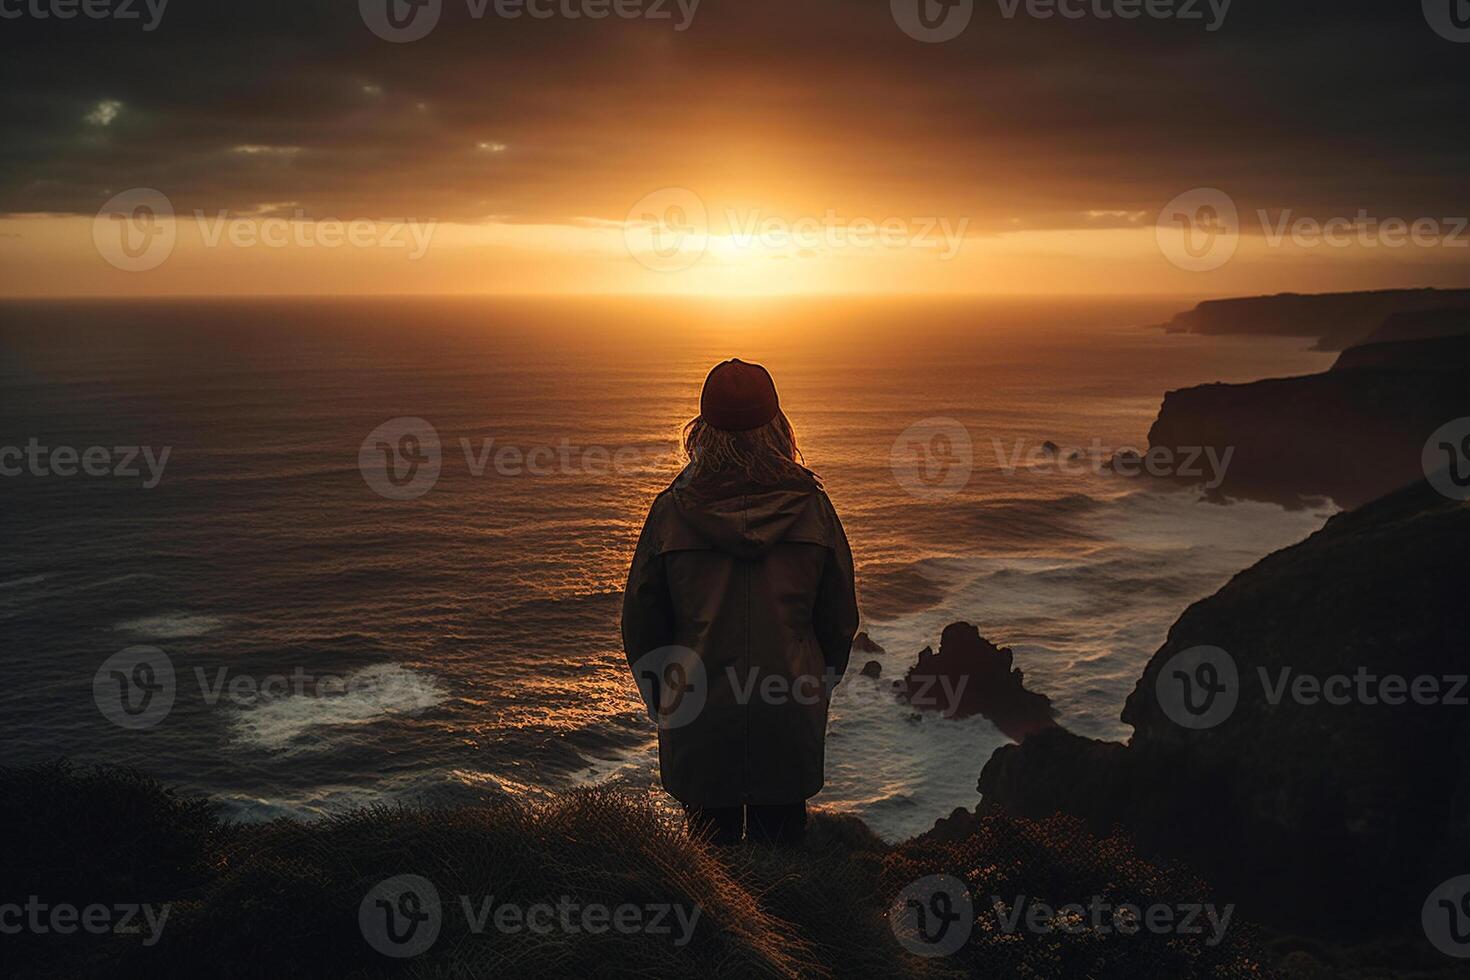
[{"x": 283, "y": 899}]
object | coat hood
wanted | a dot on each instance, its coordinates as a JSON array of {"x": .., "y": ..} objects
[{"x": 742, "y": 518}]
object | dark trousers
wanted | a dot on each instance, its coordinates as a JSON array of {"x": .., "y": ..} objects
[{"x": 779, "y": 823}]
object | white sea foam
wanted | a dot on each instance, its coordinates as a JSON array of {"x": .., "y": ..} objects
[
  {"x": 171, "y": 625},
  {"x": 310, "y": 721}
]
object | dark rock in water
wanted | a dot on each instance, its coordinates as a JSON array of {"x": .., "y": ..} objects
[
  {"x": 1353, "y": 433},
  {"x": 1291, "y": 801},
  {"x": 872, "y": 669},
  {"x": 1050, "y": 448},
  {"x": 1337, "y": 320},
  {"x": 971, "y": 676},
  {"x": 863, "y": 643},
  {"x": 1075, "y": 454}
]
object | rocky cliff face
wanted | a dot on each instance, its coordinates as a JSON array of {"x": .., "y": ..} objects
[
  {"x": 1352, "y": 434},
  {"x": 1337, "y": 320},
  {"x": 1329, "y": 764},
  {"x": 1422, "y": 325},
  {"x": 1435, "y": 355}
]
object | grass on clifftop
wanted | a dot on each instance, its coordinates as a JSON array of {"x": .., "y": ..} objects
[{"x": 282, "y": 899}]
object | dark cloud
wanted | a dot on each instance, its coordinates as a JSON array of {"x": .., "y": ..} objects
[{"x": 1323, "y": 107}]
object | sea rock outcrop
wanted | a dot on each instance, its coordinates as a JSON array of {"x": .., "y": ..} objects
[{"x": 972, "y": 676}]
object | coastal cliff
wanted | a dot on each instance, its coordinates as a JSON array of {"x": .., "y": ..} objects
[
  {"x": 1304, "y": 790},
  {"x": 1336, "y": 320},
  {"x": 1352, "y": 433}
]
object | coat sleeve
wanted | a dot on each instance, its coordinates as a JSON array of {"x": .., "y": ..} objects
[
  {"x": 835, "y": 614},
  {"x": 648, "y": 613}
]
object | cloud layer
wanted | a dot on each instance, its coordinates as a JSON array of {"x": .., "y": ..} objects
[{"x": 1021, "y": 122}]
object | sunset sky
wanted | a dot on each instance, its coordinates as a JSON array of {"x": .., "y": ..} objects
[{"x": 1026, "y": 155}]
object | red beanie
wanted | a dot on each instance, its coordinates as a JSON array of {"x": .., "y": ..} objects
[{"x": 738, "y": 397}]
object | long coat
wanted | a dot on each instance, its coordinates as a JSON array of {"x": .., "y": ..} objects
[{"x": 738, "y": 621}]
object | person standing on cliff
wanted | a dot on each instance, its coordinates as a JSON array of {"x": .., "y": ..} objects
[{"x": 739, "y": 616}]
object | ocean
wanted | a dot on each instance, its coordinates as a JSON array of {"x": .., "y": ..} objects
[{"x": 337, "y": 639}]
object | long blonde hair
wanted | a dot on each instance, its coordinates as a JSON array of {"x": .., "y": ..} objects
[{"x": 766, "y": 455}]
